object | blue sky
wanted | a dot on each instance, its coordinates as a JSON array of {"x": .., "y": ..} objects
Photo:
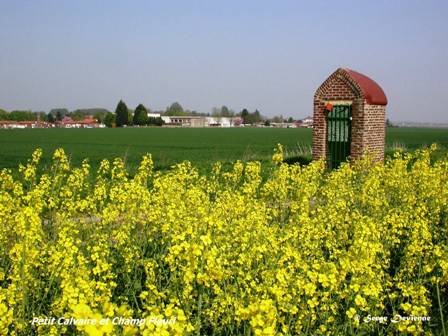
[{"x": 269, "y": 55}]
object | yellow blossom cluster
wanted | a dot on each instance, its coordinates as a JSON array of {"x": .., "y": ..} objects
[{"x": 248, "y": 250}]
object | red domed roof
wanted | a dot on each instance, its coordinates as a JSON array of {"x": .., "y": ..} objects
[{"x": 373, "y": 93}]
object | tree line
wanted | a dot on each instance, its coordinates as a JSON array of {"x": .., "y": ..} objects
[
  {"x": 126, "y": 117},
  {"x": 20, "y": 115},
  {"x": 56, "y": 114},
  {"x": 123, "y": 116}
]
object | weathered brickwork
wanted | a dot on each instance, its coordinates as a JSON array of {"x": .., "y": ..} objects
[
  {"x": 368, "y": 120},
  {"x": 375, "y": 130}
]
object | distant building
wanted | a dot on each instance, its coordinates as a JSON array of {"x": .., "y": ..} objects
[
  {"x": 87, "y": 122},
  {"x": 284, "y": 125},
  {"x": 200, "y": 121},
  {"x": 223, "y": 121},
  {"x": 306, "y": 122},
  {"x": 10, "y": 124},
  {"x": 184, "y": 121}
]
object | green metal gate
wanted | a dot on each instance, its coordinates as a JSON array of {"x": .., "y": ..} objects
[{"x": 338, "y": 135}]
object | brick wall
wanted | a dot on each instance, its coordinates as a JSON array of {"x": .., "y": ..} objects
[
  {"x": 368, "y": 121},
  {"x": 375, "y": 127}
]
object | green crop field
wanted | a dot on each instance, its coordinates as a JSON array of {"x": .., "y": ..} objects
[{"x": 202, "y": 146}]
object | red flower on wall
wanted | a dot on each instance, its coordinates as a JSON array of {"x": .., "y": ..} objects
[{"x": 329, "y": 106}]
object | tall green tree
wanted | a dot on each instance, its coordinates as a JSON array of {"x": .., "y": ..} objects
[
  {"x": 109, "y": 119},
  {"x": 77, "y": 115},
  {"x": 121, "y": 114},
  {"x": 245, "y": 116},
  {"x": 222, "y": 111},
  {"x": 226, "y": 112},
  {"x": 257, "y": 116},
  {"x": 4, "y": 115},
  {"x": 100, "y": 115},
  {"x": 175, "y": 109},
  {"x": 277, "y": 119},
  {"x": 389, "y": 123},
  {"x": 50, "y": 118},
  {"x": 140, "y": 115},
  {"x": 59, "y": 115},
  {"x": 130, "y": 116}
]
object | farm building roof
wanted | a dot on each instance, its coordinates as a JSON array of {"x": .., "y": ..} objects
[{"x": 373, "y": 93}]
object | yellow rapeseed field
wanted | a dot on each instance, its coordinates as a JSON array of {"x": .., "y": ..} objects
[{"x": 359, "y": 250}]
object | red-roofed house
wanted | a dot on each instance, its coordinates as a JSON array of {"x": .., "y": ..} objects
[
  {"x": 24, "y": 124},
  {"x": 87, "y": 122}
]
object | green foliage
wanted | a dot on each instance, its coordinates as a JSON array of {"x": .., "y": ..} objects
[
  {"x": 300, "y": 252},
  {"x": 109, "y": 119},
  {"x": 4, "y": 115},
  {"x": 281, "y": 119},
  {"x": 50, "y": 118},
  {"x": 92, "y": 110},
  {"x": 140, "y": 115},
  {"x": 98, "y": 113},
  {"x": 155, "y": 121},
  {"x": 59, "y": 116},
  {"x": 100, "y": 116},
  {"x": 244, "y": 116},
  {"x": 225, "y": 112},
  {"x": 277, "y": 119},
  {"x": 121, "y": 114},
  {"x": 222, "y": 111},
  {"x": 389, "y": 123},
  {"x": 169, "y": 146},
  {"x": 77, "y": 115},
  {"x": 196, "y": 113},
  {"x": 22, "y": 116},
  {"x": 250, "y": 118},
  {"x": 175, "y": 109},
  {"x": 59, "y": 113}
]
